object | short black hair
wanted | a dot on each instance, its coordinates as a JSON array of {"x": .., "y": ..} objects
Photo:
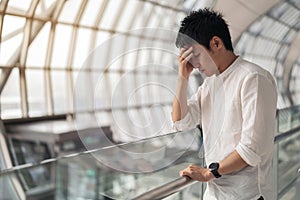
[{"x": 200, "y": 26}]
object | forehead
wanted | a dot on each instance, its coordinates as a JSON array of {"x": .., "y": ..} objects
[{"x": 198, "y": 48}]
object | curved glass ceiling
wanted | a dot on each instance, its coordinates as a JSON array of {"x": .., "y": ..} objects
[
  {"x": 52, "y": 50},
  {"x": 267, "y": 42}
]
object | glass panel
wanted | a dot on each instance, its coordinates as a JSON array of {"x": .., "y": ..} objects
[
  {"x": 11, "y": 38},
  {"x": 8, "y": 185},
  {"x": 9, "y": 49},
  {"x": 117, "y": 172},
  {"x": 246, "y": 43},
  {"x": 98, "y": 55},
  {"x": 36, "y": 92},
  {"x": 69, "y": 11},
  {"x": 256, "y": 27},
  {"x": 290, "y": 16},
  {"x": 130, "y": 59},
  {"x": 273, "y": 29},
  {"x": 110, "y": 14},
  {"x": 20, "y": 7},
  {"x": 122, "y": 126},
  {"x": 286, "y": 158},
  {"x": 140, "y": 89},
  {"x": 82, "y": 91},
  {"x": 59, "y": 89},
  {"x": 46, "y": 3},
  {"x": 43, "y": 7},
  {"x": 102, "y": 37},
  {"x": 279, "y": 10},
  {"x": 104, "y": 118},
  {"x": 127, "y": 15},
  {"x": 279, "y": 69},
  {"x": 62, "y": 42},
  {"x": 188, "y": 4},
  {"x": 204, "y": 4},
  {"x": 168, "y": 22},
  {"x": 99, "y": 91},
  {"x": 91, "y": 11},
  {"x": 143, "y": 56},
  {"x": 115, "y": 63},
  {"x": 143, "y": 15},
  {"x": 82, "y": 47},
  {"x": 156, "y": 17},
  {"x": 10, "y": 97},
  {"x": 295, "y": 2},
  {"x": 119, "y": 89},
  {"x": 12, "y": 24},
  {"x": 282, "y": 52},
  {"x": 113, "y": 80},
  {"x": 297, "y": 26},
  {"x": 39, "y": 47},
  {"x": 288, "y": 165}
]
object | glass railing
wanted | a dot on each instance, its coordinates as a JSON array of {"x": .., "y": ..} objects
[
  {"x": 287, "y": 154},
  {"x": 123, "y": 171},
  {"x": 145, "y": 169}
]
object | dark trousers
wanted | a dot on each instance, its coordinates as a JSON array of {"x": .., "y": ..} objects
[{"x": 260, "y": 198}]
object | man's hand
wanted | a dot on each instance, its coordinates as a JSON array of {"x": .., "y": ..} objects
[
  {"x": 197, "y": 173},
  {"x": 184, "y": 66}
]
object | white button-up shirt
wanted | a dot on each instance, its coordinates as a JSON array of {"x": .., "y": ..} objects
[{"x": 237, "y": 111}]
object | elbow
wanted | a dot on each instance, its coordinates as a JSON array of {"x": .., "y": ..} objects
[{"x": 175, "y": 118}]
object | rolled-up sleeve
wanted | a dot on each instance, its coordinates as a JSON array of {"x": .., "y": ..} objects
[
  {"x": 193, "y": 116},
  {"x": 259, "y": 100}
]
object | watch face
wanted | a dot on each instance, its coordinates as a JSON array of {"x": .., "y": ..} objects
[{"x": 214, "y": 166}]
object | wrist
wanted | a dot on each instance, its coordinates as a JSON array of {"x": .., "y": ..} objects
[
  {"x": 209, "y": 175},
  {"x": 183, "y": 79}
]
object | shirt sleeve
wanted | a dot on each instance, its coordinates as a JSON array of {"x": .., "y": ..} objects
[
  {"x": 193, "y": 116},
  {"x": 259, "y": 100}
]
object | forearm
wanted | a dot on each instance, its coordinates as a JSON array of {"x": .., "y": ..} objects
[
  {"x": 180, "y": 108},
  {"x": 232, "y": 163}
]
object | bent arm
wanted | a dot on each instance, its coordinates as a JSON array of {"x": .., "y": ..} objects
[
  {"x": 180, "y": 107},
  {"x": 232, "y": 163}
]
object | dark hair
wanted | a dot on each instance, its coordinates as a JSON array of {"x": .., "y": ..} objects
[{"x": 200, "y": 26}]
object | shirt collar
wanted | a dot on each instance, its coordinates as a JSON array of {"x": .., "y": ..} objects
[{"x": 230, "y": 68}]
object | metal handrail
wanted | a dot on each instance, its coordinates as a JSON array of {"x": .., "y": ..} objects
[
  {"x": 286, "y": 134},
  {"x": 183, "y": 182},
  {"x": 167, "y": 189}
]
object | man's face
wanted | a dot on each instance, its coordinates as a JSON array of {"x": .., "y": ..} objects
[{"x": 202, "y": 61}]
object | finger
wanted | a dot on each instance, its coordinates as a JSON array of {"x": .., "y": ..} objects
[
  {"x": 184, "y": 52},
  {"x": 188, "y": 58},
  {"x": 187, "y": 52},
  {"x": 180, "y": 173},
  {"x": 185, "y": 173},
  {"x": 183, "y": 49}
]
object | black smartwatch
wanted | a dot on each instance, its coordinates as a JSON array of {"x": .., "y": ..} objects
[{"x": 213, "y": 167}]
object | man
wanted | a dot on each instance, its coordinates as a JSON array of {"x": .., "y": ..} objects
[{"x": 235, "y": 105}]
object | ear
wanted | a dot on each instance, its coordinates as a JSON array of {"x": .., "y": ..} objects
[{"x": 216, "y": 43}]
